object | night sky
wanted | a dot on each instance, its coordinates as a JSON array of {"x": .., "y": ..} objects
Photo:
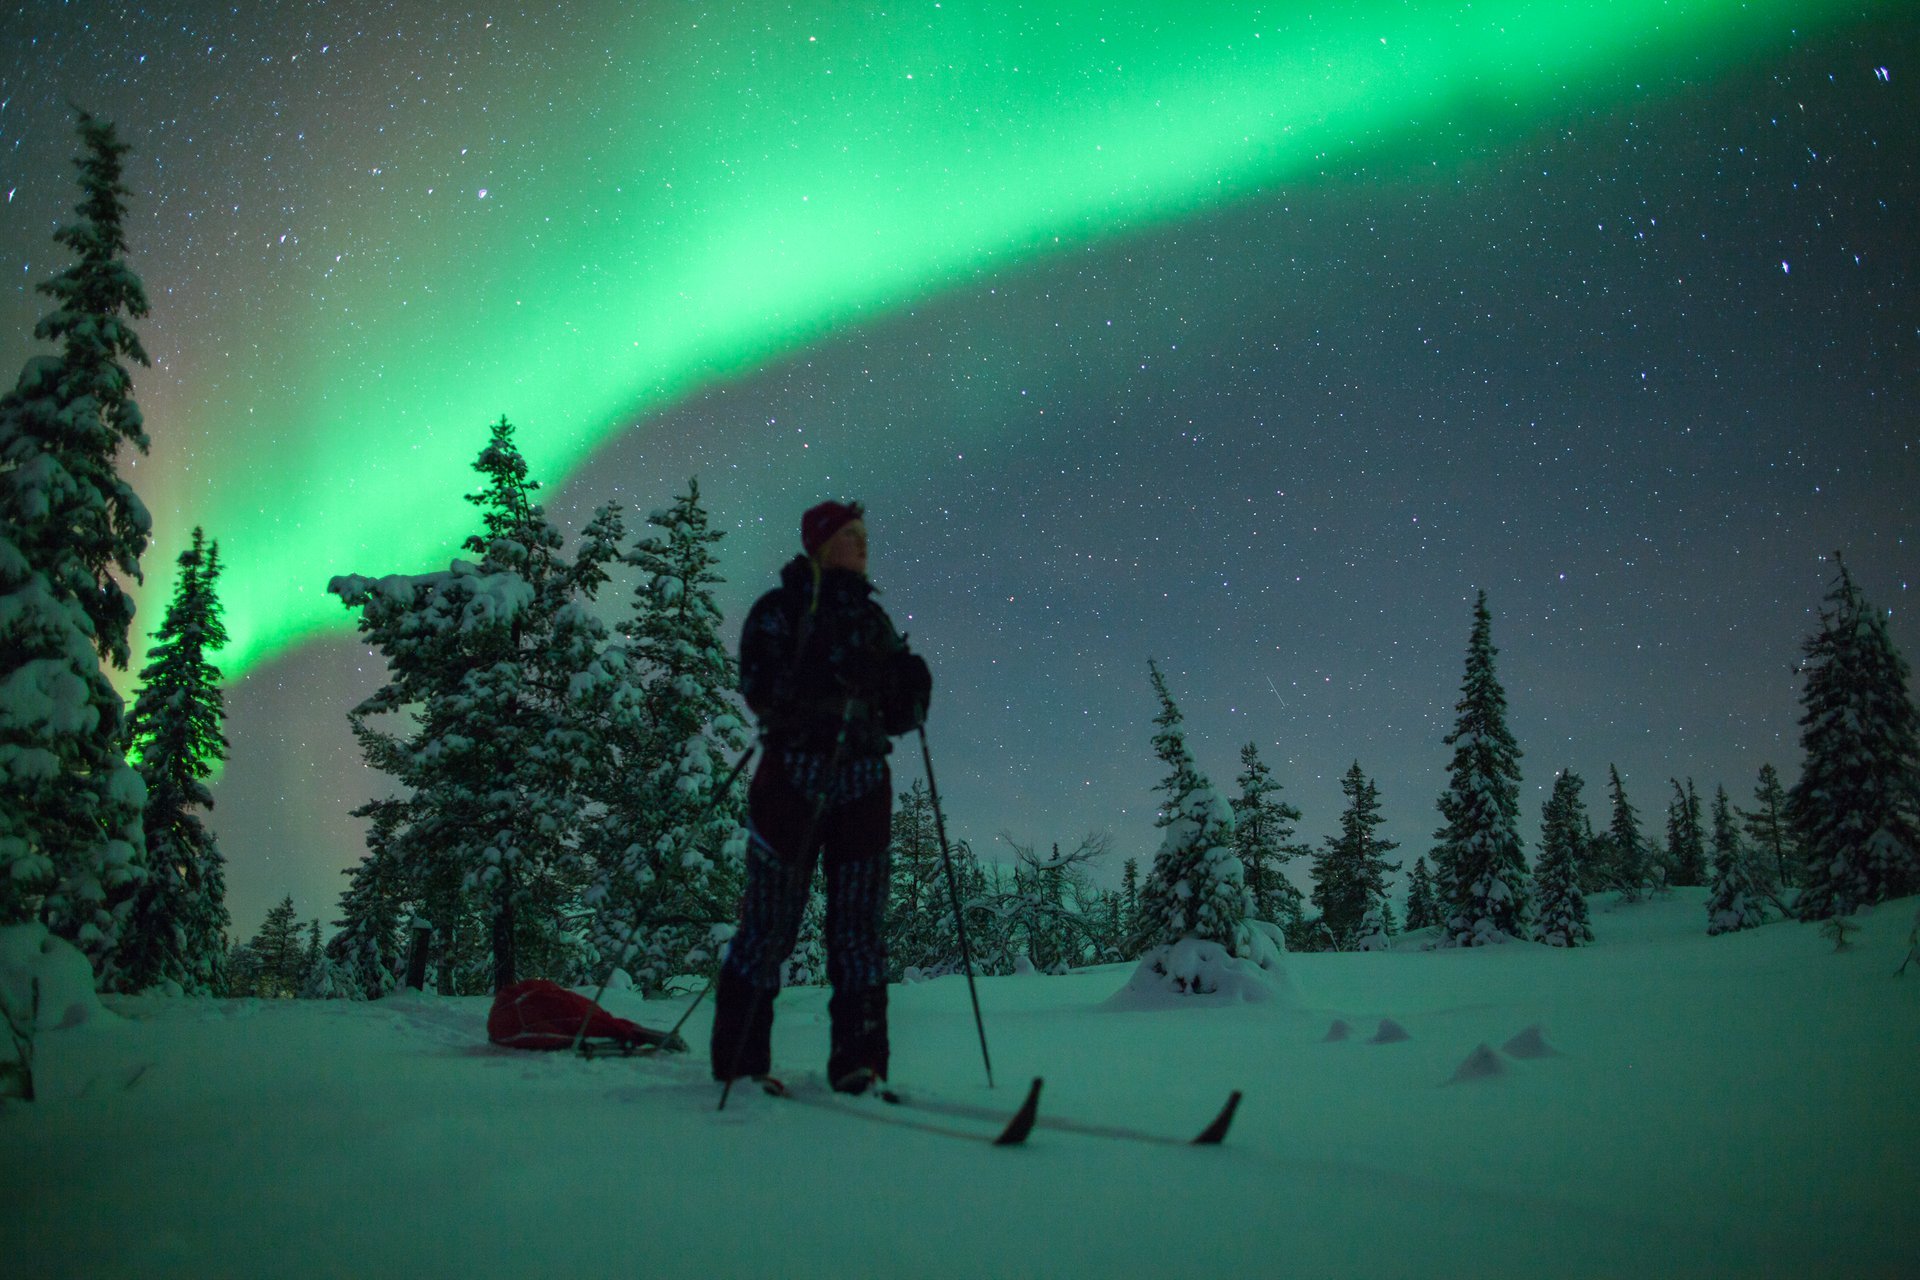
[{"x": 1255, "y": 339}]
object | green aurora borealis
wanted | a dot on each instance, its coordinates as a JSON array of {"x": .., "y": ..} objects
[{"x": 577, "y": 241}]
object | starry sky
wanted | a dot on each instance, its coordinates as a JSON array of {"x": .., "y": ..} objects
[{"x": 1253, "y": 338}]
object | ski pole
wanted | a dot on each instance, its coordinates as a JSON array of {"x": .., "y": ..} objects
[
  {"x": 953, "y": 891},
  {"x": 633, "y": 928}
]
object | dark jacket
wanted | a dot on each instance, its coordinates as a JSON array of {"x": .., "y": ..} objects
[{"x": 819, "y": 647}]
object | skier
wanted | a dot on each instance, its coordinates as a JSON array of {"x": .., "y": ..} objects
[{"x": 831, "y": 681}]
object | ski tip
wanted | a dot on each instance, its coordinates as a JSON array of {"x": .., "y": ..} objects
[
  {"x": 1022, "y": 1123},
  {"x": 1216, "y": 1133}
]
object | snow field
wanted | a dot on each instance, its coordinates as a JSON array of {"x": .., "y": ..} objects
[{"x": 1738, "y": 1105}]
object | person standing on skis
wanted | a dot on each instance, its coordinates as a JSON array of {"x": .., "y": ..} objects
[{"x": 831, "y": 683}]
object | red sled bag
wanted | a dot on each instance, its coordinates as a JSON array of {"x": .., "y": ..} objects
[{"x": 537, "y": 1014}]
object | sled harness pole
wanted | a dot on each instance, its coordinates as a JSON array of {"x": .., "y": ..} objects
[
  {"x": 953, "y": 892},
  {"x": 713, "y": 803}
]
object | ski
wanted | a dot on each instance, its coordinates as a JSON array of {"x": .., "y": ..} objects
[
  {"x": 1212, "y": 1135},
  {"x": 1012, "y": 1133}
]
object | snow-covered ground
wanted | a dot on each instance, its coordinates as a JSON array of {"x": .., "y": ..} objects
[{"x": 1739, "y": 1105}]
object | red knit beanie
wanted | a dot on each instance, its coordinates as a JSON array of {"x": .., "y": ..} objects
[{"x": 825, "y": 520}]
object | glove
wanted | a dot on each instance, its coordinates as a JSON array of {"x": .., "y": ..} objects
[{"x": 906, "y": 687}]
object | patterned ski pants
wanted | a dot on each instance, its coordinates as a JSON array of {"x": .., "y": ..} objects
[{"x": 853, "y": 831}]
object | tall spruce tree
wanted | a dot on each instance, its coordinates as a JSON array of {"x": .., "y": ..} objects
[
  {"x": 1560, "y": 907},
  {"x": 1350, "y": 871},
  {"x": 1734, "y": 902},
  {"x": 1686, "y": 862},
  {"x": 1627, "y": 848},
  {"x": 1196, "y": 887},
  {"x": 506, "y": 671},
  {"x": 1263, "y": 828},
  {"x": 1481, "y": 867},
  {"x": 177, "y": 932},
  {"x": 72, "y": 846},
  {"x": 672, "y": 853},
  {"x": 1776, "y": 856},
  {"x": 1422, "y": 911},
  {"x": 1856, "y": 808}
]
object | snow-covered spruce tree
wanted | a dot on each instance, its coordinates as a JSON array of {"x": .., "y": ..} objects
[
  {"x": 368, "y": 943},
  {"x": 1856, "y": 808},
  {"x": 1194, "y": 907},
  {"x": 1627, "y": 848},
  {"x": 177, "y": 931},
  {"x": 277, "y": 950},
  {"x": 1422, "y": 911},
  {"x": 920, "y": 928},
  {"x": 1263, "y": 830},
  {"x": 1480, "y": 865},
  {"x": 1560, "y": 908},
  {"x": 670, "y": 854},
  {"x": 507, "y": 674},
  {"x": 1776, "y": 857},
  {"x": 72, "y": 849},
  {"x": 1733, "y": 903},
  {"x": 1350, "y": 872},
  {"x": 1686, "y": 860}
]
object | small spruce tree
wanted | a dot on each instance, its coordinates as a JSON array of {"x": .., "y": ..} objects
[
  {"x": 1560, "y": 906},
  {"x": 279, "y": 954},
  {"x": 1422, "y": 911},
  {"x": 1263, "y": 828},
  {"x": 1770, "y": 835},
  {"x": 1628, "y": 849},
  {"x": 1350, "y": 872},
  {"x": 1733, "y": 903},
  {"x": 1196, "y": 887},
  {"x": 1686, "y": 839}
]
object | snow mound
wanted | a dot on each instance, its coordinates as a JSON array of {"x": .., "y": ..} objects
[
  {"x": 28, "y": 952},
  {"x": 1191, "y": 971},
  {"x": 1530, "y": 1044},
  {"x": 1340, "y": 1030},
  {"x": 1482, "y": 1064},
  {"x": 1390, "y": 1032}
]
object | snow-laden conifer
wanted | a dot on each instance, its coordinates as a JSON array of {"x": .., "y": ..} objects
[
  {"x": 1350, "y": 872},
  {"x": 1734, "y": 902},
  {"x": 368, "y": 942},
  {"x": 1194, "y": 907},
  {"x": 72, "y": 847},
  {"x": 1856, "y": 807},
  {"x": 1776, "y": 857},
  {"x": 1480, "y": 865},
  {"x": 1560, "y": 908},
  {"x": 670, "y": 852},
  {"x": 1263, "y": 837},
  {"x": 1626, "y": 848},
  {"x": 1422, "y": 911},
  {"x": 177, "y": 932},
  {"x": 1686, "y": 860},
  {"x": 506, "y": 672},
  {"x": 278, "y": 957}
]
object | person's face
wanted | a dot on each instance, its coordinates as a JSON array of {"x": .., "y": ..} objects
[{"x": 846, "y": 549}]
